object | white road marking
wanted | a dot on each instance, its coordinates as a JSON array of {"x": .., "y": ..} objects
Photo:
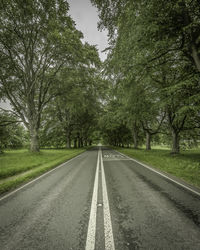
[
  {"x": 113, "y": 156},
  {"x": 90, "y": 242},
  {"x": 163, "y": 175},
  {"x": 108, "y": 234},
  {"x": 36, "y": 179},
  {"x": 113, "y": 159},
  {"x": 109, "y": 241}
]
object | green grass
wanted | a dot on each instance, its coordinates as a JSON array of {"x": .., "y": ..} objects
[
  {"x": 20, "y": 166},
  {"x": 185, "y": 166}
]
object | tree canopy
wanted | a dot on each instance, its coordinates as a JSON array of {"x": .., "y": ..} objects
[
  {"x": 154, "y": 55},
  {"x": 37, "y": 40},
  {"x": 147, "y": 90}
]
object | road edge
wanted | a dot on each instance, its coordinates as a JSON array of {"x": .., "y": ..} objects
[
  {"x": 22, "y": 185},
  {"x": 172, "y": 178}
]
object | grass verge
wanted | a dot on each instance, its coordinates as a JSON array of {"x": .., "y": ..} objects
[
  {"x": 20, "y": 166},
  {"x": 185, "y": 166}
]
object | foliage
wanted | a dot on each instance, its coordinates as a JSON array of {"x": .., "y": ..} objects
[
  {"x": 73, "y": 114},
  {"x": 154, "y": 56},
  {"x": 37, "y": 39},
  {"x": 148, "y": 88},
  {"x": 12, "y": 133}
]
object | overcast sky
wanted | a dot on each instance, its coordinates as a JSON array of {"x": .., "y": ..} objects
[{"x": 86, "y": 17}]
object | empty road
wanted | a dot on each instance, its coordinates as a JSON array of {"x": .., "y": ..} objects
[{"x": 101, "y": 200}]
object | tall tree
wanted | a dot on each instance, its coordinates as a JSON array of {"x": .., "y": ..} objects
[
  {"x": 147, "y": 36},
  {"x": 170, "y": 26},
  {"x": 74, "y": 111},
  {"x": 12, "y": 133},
  {"x": 37, "y": 38}
]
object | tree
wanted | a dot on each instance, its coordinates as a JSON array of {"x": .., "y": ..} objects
[
  {"x": 170, "y": 26},
  {"x": 12, "y": 133},
  {"x": 37, "y": 38},
  {"x": 157, "y": 40},
  {"x": 72, "y": 114}
]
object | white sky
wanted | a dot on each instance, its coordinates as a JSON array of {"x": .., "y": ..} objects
[{"x": 86, "y": 17}]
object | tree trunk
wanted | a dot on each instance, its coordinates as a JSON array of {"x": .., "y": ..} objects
[
  {"x": 68, "y": 142},
  {"x": 81, "y": 142},
  {"x": 75, "y": 143},
  {"x": 135, "y": 138},
  {"x": 175, "y": 142},
  {"x": 68, "y": 145},
  {"x": 148, "y": 141},
  {"x": 34, "y": 140},
  {"x": 195, "y": 57}
]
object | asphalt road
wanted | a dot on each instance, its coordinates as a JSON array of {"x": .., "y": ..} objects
[{"x": 101, "y": 200}]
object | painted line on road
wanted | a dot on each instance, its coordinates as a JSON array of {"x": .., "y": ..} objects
[
  {"x": 36, "y": 179},
  {"x": 90, "y": 242},
  {"x": 163, "y": 175},
  {"x": 108, "y": 232},
  {"x": 122, "y": 159}
]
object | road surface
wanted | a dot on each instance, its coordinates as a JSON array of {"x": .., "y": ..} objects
[{"x": 101, "y": 200}]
